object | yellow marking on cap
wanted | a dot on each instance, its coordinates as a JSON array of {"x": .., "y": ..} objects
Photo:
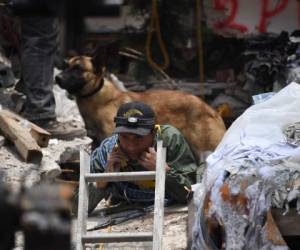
[{"x": 132, "y": 112}]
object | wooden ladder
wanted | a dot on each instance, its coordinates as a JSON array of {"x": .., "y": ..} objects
[{"x": 86, "y": 177}]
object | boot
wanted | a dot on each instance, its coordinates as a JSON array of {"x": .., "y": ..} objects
[{"x": 62, "y": 130}]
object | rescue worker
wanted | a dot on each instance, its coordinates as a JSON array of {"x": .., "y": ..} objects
[
  {"x": 38, "y": 51},
  {"x": 132, "y": 148}
]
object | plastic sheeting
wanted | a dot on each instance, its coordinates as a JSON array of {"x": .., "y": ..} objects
[{"x": 252, "y": 170}]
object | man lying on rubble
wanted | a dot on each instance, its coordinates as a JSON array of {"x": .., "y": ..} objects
[{"x": 132, "y": 148}]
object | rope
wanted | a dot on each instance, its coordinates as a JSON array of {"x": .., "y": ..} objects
[
  {"x": 155, "y": 28},
  {"x": 101, "y": 246}
]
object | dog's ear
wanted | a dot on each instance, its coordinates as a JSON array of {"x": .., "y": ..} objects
[
  {"x": 71, "y": 53},
  {"x": 105, "y": 55},
  {"x": 99, "y": 58},
  {"x": 65, "y": 64},
  {"x": 112, "y": 56},
  {"x": 61, "y": 63}
]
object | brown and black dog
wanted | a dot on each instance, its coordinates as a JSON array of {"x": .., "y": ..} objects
[{"x": 98, "y": 100}]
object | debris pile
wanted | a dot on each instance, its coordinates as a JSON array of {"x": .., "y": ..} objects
[
  {"x": 45, "y": 161},
  {"x": 254, "y": 169}
]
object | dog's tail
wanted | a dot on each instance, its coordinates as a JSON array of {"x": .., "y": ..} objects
[{"x": 224, "y": 110}]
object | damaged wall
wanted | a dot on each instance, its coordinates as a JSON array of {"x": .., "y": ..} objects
[{"x": 240, "y": 17}]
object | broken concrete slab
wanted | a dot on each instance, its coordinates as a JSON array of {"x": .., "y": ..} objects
[{"x": 16, "y": 170}]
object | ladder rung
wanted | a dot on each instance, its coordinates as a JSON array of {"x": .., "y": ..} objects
[
  {"x": 117, "y": 237},
  {"x": 121, "y": 176}
]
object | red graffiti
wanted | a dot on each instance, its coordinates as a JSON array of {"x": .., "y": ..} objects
[
  {"x": 268, "y": 10},
  {"x": 220, "y": 5},
  {"x": 267, "y": 14}
]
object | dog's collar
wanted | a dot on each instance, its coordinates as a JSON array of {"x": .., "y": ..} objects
[{"x": 100, "y": 85}]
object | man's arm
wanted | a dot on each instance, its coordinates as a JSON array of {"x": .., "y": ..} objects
[
  {"x": 103, "y": 158},
  {"x": 182, "y": 164}
]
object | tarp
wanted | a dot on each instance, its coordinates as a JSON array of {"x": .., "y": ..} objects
[{"x": 260, "y": 126}]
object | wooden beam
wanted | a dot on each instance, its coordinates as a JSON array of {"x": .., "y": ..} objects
[
  {"x": 22, "y": 139},
  {"x": 272, "y": 232},
  {"x": 289, "y": 224},
  {"x": 41, "y": 136}
]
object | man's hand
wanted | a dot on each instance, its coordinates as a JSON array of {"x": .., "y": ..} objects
[
  {"x": 115, "y": 160},
  {"x": 148, "y": 160},
  {"x": 114, "y": 163}
]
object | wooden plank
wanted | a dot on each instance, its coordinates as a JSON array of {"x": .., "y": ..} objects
[
  {"x": 83, "y": 199},
  {"x": 289, "y": 224},
  {"x": 117, "y": 237},
  {"x": 22, "y": 139},
  {"x": 41, "y": 136},
  {"x": 272, "y": 232},
  {"x": 158, "y": 223},
  {"x": 121, "y": 176}
]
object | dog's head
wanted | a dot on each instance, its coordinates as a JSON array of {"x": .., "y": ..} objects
[{"x": 80, "y": 71}]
